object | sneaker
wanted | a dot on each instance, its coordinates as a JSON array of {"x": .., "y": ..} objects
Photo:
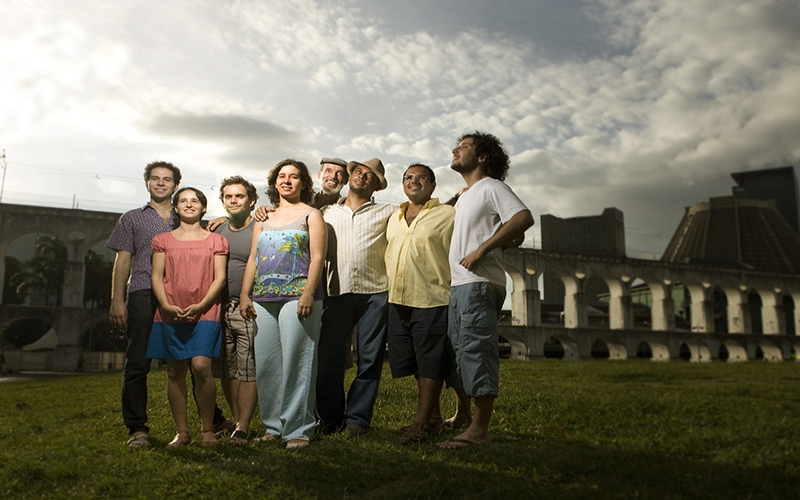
[{"x": 354, "y": 430}]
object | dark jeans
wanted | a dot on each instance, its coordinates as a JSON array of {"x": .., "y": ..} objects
[
  {"x": 141, "y": 309},
  {"x": 339, "y": 315}
]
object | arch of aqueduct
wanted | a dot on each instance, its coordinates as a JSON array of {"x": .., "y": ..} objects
[{"x": 80, "y": 230}]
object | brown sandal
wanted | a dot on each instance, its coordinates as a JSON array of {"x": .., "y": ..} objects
[
  {"x": 414, "y": 433},
  {"x": 178, "y": 441},
  {"x": 238, "y": 438}
]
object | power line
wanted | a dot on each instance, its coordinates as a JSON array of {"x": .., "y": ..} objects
[{"x": 72, "y": 172}]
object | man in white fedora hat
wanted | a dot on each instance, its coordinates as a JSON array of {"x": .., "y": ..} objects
[{"x": 357, "y": 295}]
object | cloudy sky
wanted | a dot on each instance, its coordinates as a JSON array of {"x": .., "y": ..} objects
[{"x": 644, "y": 105}]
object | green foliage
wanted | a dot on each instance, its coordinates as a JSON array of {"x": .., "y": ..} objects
[
  {"x": 43, "y": 274},
  {"x": 97, "y": 283},
  {"x": 561, "y": 430}
]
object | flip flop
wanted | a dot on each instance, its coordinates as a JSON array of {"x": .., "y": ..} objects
[{"x": 460, "y": 444}]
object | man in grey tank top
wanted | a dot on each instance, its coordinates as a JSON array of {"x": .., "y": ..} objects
[{"x": 238, "y": 360}]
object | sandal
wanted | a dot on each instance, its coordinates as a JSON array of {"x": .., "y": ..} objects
[
  {"x": 139, "y": 439},
  {"x": 297, "y": 443},
  {"x": 179, "y": 441},
  {"x": 238, "y": 438},
  {"x": 208, "y": 443},
  {"x": 414, "y": 434},
  {"x": 267, "y": 437}
]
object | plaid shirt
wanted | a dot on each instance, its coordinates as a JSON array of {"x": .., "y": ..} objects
[{"x": 134, "y": 233}]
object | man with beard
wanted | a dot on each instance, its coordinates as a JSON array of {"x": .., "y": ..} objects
[
  {"x": 488, "y": 216},
  {"x": 332, "y": 176},
  {"x": 238, "y": 358},
  {"x": 357, "y": 295}
]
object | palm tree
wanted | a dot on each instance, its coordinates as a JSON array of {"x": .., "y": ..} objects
[{"x": 43, "y": 274}]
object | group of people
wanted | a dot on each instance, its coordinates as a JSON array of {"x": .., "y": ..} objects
[{"x": 278, "y": 293}]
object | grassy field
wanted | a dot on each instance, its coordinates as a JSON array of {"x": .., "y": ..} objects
[{"x": 562, "y": 430}]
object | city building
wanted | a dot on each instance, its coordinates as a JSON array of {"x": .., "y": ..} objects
[
  {"x": 602, "y": 235},
  {"x": 778, "y": 184}
]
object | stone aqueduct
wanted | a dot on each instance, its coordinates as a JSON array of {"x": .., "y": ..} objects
[
  {"x": 528, "y": 336},
  {"x": 81, "y": 229}
]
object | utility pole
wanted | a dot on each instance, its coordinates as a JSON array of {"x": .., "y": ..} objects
[{"x": 4, "y": 166}]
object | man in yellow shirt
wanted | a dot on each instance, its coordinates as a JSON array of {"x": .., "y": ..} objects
[{"x": 418, "y": 237}]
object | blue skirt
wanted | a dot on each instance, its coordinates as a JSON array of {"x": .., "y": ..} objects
[{"x": 184, "y": 340}]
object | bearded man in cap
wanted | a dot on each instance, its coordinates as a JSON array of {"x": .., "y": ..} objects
[
  {"x": 332, "y": 177},
  {"x": 357, "y": 295}
]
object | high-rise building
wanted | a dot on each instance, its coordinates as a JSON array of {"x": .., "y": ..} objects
[
  {"x": 779, "y": 184},
  {"x": 602, "y": 235}
]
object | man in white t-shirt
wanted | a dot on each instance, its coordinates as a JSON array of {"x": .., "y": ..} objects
[{"x": 488, "y": 216}]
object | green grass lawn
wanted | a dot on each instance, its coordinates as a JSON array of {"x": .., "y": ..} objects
[{"x": 562, "y": 430}]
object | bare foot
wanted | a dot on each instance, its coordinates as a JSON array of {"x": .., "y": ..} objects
[
  {"x": 464, "y": 440},
  {"x": 209, "y": 440}
]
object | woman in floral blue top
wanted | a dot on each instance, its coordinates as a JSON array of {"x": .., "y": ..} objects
[{"x": 283, "y": 291}]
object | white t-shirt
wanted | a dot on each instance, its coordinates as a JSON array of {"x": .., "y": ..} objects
[{"x": 480, "y": 213}]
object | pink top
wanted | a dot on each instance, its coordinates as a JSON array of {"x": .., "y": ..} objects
[{"x": 189, "y": 272}]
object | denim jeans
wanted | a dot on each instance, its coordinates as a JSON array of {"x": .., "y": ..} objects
[
  {"x": 141, "y": 309},
  {"x": 340, "y": 314}
]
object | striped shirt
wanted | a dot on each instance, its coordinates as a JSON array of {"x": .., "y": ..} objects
[{"x": 356, "y": 247}]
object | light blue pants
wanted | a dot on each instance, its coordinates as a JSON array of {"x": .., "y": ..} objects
[{"x": 286, "y": 368}]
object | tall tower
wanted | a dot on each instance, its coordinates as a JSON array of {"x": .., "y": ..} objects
[{"x": 778, "y": 184}]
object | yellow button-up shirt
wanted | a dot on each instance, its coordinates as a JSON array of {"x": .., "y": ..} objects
[{"x": 416, "y": 256}]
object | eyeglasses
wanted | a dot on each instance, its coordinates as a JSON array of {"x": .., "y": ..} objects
[{"x": 411, "y": 177}]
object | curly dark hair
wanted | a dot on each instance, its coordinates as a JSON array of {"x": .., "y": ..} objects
[
  {"x": 308, "y": 183},
  {"x": 491, "y": 148},
  {"x": 252, "y": 193},
  {"x": 176, "y": 172}
]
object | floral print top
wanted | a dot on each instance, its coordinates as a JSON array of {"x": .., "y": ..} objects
[{"x": 282, "y": 261}]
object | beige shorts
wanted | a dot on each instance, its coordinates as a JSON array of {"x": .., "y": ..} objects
[{"x": 237, "y": 355}]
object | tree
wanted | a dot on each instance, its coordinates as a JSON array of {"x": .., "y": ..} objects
[
  {"x": 13, "y": 266},
  {"x": 97, "y": 285},
  {"x": 43, "y": 274}
]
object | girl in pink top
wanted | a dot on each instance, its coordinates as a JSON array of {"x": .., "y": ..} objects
[{"x": 189, "y": 267}]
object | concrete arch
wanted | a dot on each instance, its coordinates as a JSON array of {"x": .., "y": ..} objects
[
  {"x": 652, "y": 350},
  {"x": 734, "y": 352},
  {"x": 610, "y": 349},
  {"x": 770, "y": 351},
  {"x": 78, "y": 229},
  {"x": 701, "y": 300},
  {"x": 698, "y": 352},
  {"x": 568, "y": 347}
]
